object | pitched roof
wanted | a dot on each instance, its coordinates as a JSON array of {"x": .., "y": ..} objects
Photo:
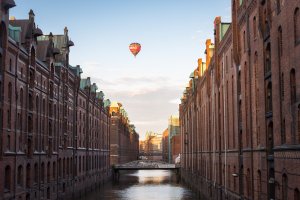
[
  {"x": 42, "y": 49},
  {"x": 85, "y": 83},
  {"x": 24, "y": 25}
]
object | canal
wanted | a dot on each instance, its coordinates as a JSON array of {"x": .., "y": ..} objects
[{"x": 143, "y": 185}]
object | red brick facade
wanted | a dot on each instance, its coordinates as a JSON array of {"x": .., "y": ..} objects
[
  {"x": 54, "y": 141},
  {"x": 240, "y": 120},
  {"x": 165, "y": 145},
  {"x": 176, "y": 147},
  {"x": 124, "y": 140}
]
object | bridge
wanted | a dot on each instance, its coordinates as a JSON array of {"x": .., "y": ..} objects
[{"x": 144, "y": 165}]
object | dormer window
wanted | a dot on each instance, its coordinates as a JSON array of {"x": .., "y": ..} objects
[{"x": 32, "y": 57}]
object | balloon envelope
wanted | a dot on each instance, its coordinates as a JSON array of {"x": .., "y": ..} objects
[{"x": 135, "y": 48}]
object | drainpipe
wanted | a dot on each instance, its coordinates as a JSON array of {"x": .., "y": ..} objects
[
  {"x": 250, "y": 94},
  {"x": 214, "y": 125},
  {"x": 224, "y": 129},
  {"x": 16, "y": 117}
]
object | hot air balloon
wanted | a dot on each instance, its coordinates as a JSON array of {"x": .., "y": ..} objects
[{"x": 135, "y": 48}]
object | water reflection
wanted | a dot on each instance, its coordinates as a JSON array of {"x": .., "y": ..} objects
[{"x": 143, "y": 185}]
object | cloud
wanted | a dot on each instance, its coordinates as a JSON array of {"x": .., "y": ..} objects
[
  {"x": 148, "y": 122},
  {"x": 175, "y": 101},
  {"x": 149, "y": 99}
]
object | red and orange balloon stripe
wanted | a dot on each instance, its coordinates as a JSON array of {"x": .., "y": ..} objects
[{"x": 135, "y": 48}]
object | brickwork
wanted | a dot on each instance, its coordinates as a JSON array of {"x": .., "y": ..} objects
[
  {"x": 165, "y": 146},
  {"x": 240, "y": 118},
  {"x": 124, "y": 140},
  {"x": 176, "y": 146},
  {"x": 54, "y": 141}
]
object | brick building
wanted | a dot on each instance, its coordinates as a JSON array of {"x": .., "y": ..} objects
[
  {"x": 240, "y": 114},
  {"x": 54, "y": 141},
  {"x": 174, "y": 144},
  {"x": 165, "y": 146},
  {"x": 176, "y": 147},
  {"x": 124, "y": 140}
]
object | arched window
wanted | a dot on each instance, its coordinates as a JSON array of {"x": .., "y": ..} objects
[
  {"x": 239, "y": 83},
  {"x": 50, "y": 129},
  {"x": 31, "y": 78},
  {"x": 48, "y": 193},
  {"x": 282, "y": 86},
  {"x": 248, "y": 182},
  {"x": 20, "y": 175},
  {"x": 37, "y": 104},
  {"x": 68, "y": 166},
  {"x": 64, "y": 167},
  {"x": 244, "y": 40},
  {"x": 71, "y": 166},
  {"x": 268, "y": 59},
  {"x": 36, "y": 176},
  {"x": 79, "y": 164},
  {"x": 278, "y": 2},
  {"x": 297, "y": 25},
  {"x": 270, "y": 138},
  {"x": 54, "y": 170},
  {"x": 283, "y": 136},
  {"x": 44, "y": 106},
  {"x": 293, "y": 86},
  {"x": 284, "y": 187},
  {"x": 259, "y": 185},
  {"x": 30, "y": 100},
  {"x": 21, "y": 98},
  {"x": 42, "y": 172},
  {"x": 51, "y": 89},
  {"x": 48, "y": 172},
  {"x": 254, "y": 28},
  {"x": 299, "y": 124},
  {"x": 52, "y": 70},
  {"x": 8, "y": 143},
  {"x": 30, "y": 124},
  {"x": 296, "y": 194},
  {"x": 10, "y": 65},
  {"x": 9, "y": 92},
  {"x": 7, "y": 178},
  {"x": 59, "y": 167},
  {"x": 32, "y": 57},
  {"x": 28, "y": 175},
  {"x": 269, "y": 97},
  {"x": 280, "y": 41}
]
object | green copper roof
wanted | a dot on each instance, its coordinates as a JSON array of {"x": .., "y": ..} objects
[
  {"x": 85, "y": 83},
  {"x": 14, "y": 32},
  {"x": 223, "y": 29},
  {"x": 107, "y": 103},
  {"x": 100, "y": 95},
  {"x": 76, "y": 70},
  {"x": 94, "y": 88}
]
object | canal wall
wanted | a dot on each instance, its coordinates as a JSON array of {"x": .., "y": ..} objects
[
  {"x": 87, "y": 184},
  {"x": 204, "y": 188}
]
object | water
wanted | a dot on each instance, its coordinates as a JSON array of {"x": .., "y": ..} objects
[{"x": 143, "y": 185}]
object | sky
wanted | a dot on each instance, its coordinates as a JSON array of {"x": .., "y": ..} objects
[{"x": 172, "y": 34}]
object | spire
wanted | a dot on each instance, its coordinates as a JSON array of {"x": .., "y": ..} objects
[
  {"x": 51, "y": 36},
  {"x": 66, "y": 31},
  {"x": 31, "y": 14}
]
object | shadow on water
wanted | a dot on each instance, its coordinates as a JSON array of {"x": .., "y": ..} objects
[{"x": 143, "y": 185}]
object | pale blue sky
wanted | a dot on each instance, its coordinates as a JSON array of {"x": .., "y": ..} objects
[{"x": 172, "y": 34}]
